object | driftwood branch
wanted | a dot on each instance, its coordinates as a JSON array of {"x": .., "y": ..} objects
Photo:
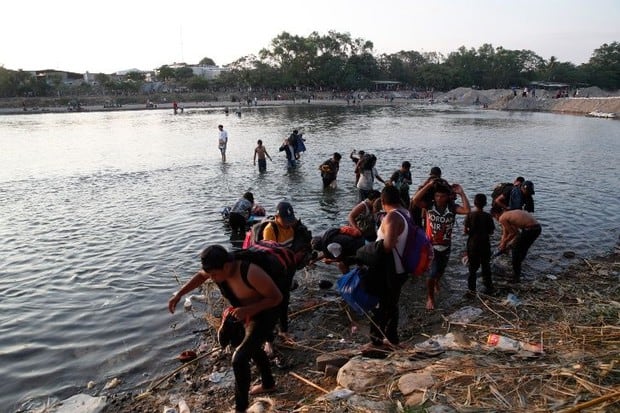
[
  {"x": 592, "y": 402},
  {"x": 308, "y": 382}
]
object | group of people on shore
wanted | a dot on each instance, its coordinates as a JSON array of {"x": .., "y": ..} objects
[{"x": 379, "y": 224}]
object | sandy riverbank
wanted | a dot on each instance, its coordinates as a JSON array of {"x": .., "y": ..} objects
[
  {"x": 589, "y": 100},
  {"x": 574, "y": 317}
]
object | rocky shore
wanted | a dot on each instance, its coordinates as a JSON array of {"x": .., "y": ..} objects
[
  {"x": 549, "y": 344},
  {"x": 588, "y": 100}
]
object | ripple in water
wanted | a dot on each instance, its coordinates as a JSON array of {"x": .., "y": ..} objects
[{"x": 112, "y": 208}]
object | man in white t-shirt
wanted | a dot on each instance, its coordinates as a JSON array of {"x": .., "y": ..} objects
[{"x": 223, "y": 141}]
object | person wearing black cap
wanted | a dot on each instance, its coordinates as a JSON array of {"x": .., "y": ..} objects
[
  {"x": 282, "y": 229},
  {"x": 509, "y": 195},
  {"x": 528, "y": 200},
  {"x": 255, "y": 299},
  {"x": 519, "y": 197}
]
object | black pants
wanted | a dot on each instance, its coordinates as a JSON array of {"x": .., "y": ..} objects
[
  {"x": 477, "y": 260},
  {"x": 237, "y": 222},
  {"x": 522, "y": 244},
  {"x": 328, "y": 179},
  {"x": 385, "y": 316},
  {"x": 262, "y": 165},
  {"x": 257, "y": 332},
  {"x": 286, "y": 299}
]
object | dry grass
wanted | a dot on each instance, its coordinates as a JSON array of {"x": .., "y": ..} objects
[{"x": 576, "y": 318}]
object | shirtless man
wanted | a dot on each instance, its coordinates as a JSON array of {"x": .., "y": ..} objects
[
  {"x": 519, "y": 231},
  {"x": 256, "y": 306},
  {"x": 262, "y": 154}
]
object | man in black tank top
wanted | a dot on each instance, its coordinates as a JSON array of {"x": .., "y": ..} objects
[{"x": 255, "y": 298}]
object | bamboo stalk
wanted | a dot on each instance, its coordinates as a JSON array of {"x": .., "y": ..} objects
[
  {"x": 296, "y": 313},
  {"x": 308, "y": 382},
  {"x": 592, "y": 402}
]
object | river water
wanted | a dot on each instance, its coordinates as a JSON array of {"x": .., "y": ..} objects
[{"x": 101, "y": 212}]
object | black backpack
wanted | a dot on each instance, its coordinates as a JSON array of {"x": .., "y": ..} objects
[
  {"x": 505, "y": 189},
  {"x": 278, "y": 262}
]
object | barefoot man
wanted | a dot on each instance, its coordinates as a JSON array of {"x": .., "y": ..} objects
[
  {"x": 255, "y": 299},
  {"x": 440, "y": 217}
]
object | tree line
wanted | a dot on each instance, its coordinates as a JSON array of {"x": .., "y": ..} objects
[{"x": 339, "y": 62}]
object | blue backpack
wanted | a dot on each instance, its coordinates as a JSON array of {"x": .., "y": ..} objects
[{"x": 351, "y": 288}]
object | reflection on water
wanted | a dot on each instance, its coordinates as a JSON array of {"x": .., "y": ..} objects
[{"x": 102, "y": 212}]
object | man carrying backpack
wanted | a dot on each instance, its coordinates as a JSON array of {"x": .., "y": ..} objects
[
  {"x": 282, "y": 230},
  {"x": 255, "y": 299},
  {"x": 392, "y": 235}
]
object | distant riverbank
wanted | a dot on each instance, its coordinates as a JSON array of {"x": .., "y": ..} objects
[{"x": 587, "y": 101}]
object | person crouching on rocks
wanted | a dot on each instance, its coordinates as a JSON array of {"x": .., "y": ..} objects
[{"x": 256, "y": 306}]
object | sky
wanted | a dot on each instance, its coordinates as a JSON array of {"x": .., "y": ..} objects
[{"x": 113, "y": 35}]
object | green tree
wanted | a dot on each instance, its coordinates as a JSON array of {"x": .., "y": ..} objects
[
  {"x": 207, "y": 61},
  {"x": 305, "y": 61},
  {"x": 361, "y": 70},
  {"x": 197, "y": 83},
  {"x": 135, "y": 76},
  {"x": 8, "y": 83},
  {"x": 401, "y": 66},
  {"x": 183, "y": 73},
  {"x": 603, "y": 68},
  {"x": 165, "y": 73},
  {"x": 103, "y": 79},
  {"x": 562, "y": 72},
  {"x": 462, "y": 64},
  {"x": 436, "y": 76},
  {"x": 294, "y": 55}
]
